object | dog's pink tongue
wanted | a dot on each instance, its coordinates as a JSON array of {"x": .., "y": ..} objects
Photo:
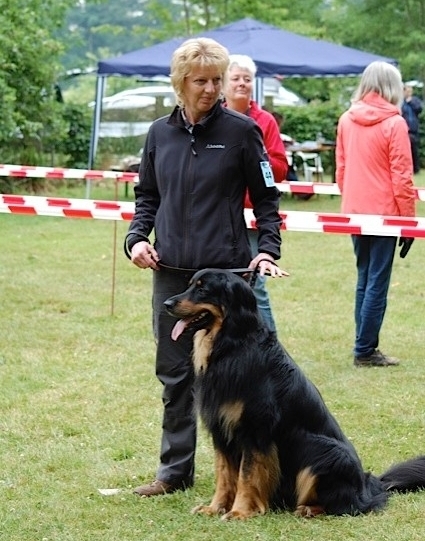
[{"x": 178, "y": 328}]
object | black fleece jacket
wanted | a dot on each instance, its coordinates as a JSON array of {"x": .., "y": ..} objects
[{"x": 191, "y": 192}]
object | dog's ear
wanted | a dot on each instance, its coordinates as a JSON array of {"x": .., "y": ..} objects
[
  {"x": 240, "y": 305},
  {"x": 242, "y": 294}
]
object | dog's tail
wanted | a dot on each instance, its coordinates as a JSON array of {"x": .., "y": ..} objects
[{"x": 407, "y": 476}]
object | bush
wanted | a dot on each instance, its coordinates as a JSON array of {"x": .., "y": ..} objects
[
  {"x": 62, "y": 141},
  {"x": 306, "y": 123},
  {"x": 75, "y": 143}
]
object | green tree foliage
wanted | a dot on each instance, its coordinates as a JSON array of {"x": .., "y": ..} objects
[
  {"x": 391, "y": 28},
  {"x": 28, "y": 53},
  {"x": 111, "y": 28}
]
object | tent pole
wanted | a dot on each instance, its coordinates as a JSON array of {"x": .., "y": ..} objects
[
  {"x": 258, "y": 91},
  {"x": 97, "y": 112}
]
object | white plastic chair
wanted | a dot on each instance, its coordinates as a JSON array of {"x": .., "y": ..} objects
[
  {"x": 290, "y": 158},
  {"x": 312, "y": 165}
]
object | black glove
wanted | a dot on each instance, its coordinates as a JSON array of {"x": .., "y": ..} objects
[{"x": 405, "y": 243}]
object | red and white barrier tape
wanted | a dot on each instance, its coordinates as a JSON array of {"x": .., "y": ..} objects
[
  {"x": 29, "y": 171},
  {"x": 352, "y": 224},
  {"x": 358, "y": 224},
  {"x": 326, "y": 188},
  {"x": 66, "y": 208}
]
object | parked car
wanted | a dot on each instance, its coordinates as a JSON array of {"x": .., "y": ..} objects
[{"x": 131, "y": 112}]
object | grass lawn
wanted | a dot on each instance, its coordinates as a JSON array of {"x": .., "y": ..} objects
[{"x": 80, "y": 406}]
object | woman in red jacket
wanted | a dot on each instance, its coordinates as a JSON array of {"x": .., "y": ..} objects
[
  {"x": 374, "y": 174},
  {"x": 238, "y": 93}
]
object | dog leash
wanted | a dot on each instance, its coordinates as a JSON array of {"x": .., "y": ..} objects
[{"x": 240, "y": 270}]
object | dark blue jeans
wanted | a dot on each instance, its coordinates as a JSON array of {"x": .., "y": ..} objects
[{"x": 374, "y": 259}]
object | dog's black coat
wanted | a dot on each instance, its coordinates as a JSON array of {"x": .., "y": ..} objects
[{"x": 276, "y": 442}]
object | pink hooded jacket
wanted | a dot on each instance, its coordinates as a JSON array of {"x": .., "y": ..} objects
[{"x": 373, "y": 159}]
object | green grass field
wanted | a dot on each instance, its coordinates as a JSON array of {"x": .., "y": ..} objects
[{"x": 80, "y": 406}]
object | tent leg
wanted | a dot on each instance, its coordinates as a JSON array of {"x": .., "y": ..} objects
[
  {"x": 258, "y": 93},
  {"x": 100, "y": 89}
]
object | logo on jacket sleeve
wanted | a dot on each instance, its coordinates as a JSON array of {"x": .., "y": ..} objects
[{"x": 211, "y": 145}]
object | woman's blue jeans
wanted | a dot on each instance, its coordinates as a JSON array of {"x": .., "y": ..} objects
[{"x": 374, "y": 259}]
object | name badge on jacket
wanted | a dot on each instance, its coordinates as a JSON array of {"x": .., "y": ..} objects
[{"x": 267, "y": 174}]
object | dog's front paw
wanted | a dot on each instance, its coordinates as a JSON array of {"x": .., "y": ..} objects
[
  {"x": 209, "y": 510},
  {"x": 309, "y": 511},
  {"x": 241, "y": 514}
]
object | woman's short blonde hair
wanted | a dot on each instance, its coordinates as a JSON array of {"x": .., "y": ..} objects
[
  {"x": 382, "y": 78},
  {"x": 196, "y": 52}
]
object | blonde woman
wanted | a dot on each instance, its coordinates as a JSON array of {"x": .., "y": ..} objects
[{"x": 196, "y": 166}]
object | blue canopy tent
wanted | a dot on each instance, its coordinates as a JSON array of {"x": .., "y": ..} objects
[{"x": 275, "y": 52}]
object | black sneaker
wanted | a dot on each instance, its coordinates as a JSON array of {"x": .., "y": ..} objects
[{"x": 376, "y": 359}]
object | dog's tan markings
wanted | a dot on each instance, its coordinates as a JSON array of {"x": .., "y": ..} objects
[
  {"x": 204, "y": 339},
  {"x": 202, "y": 346},
  {"x": 226, "y": 478},
  {"x": 257, "y": 481},
  {"x": 230, "y": 415},
  {"x": 305, "y": 487}
]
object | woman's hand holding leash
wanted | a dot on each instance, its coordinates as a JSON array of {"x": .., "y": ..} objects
[
  {"x": 144, "y": 256},
  {"x": 266, "y": 265}
]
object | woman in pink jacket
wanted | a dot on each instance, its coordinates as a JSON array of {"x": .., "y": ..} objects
[{"x": 374, "y": 174}]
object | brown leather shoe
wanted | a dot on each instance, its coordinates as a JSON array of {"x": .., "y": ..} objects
[
  {"x": 376, "y": 359},
  {"x": 156, "y": 488}
]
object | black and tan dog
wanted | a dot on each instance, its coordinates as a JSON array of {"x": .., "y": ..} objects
[{"x": 276, "y": 443}]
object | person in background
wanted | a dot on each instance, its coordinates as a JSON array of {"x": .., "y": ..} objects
[
  {"x": 374, "y": 174},
  {"x": 238, "y": 96},
  {"x": 197, "y": 165},
  {"x": 411, "y": 109}
]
